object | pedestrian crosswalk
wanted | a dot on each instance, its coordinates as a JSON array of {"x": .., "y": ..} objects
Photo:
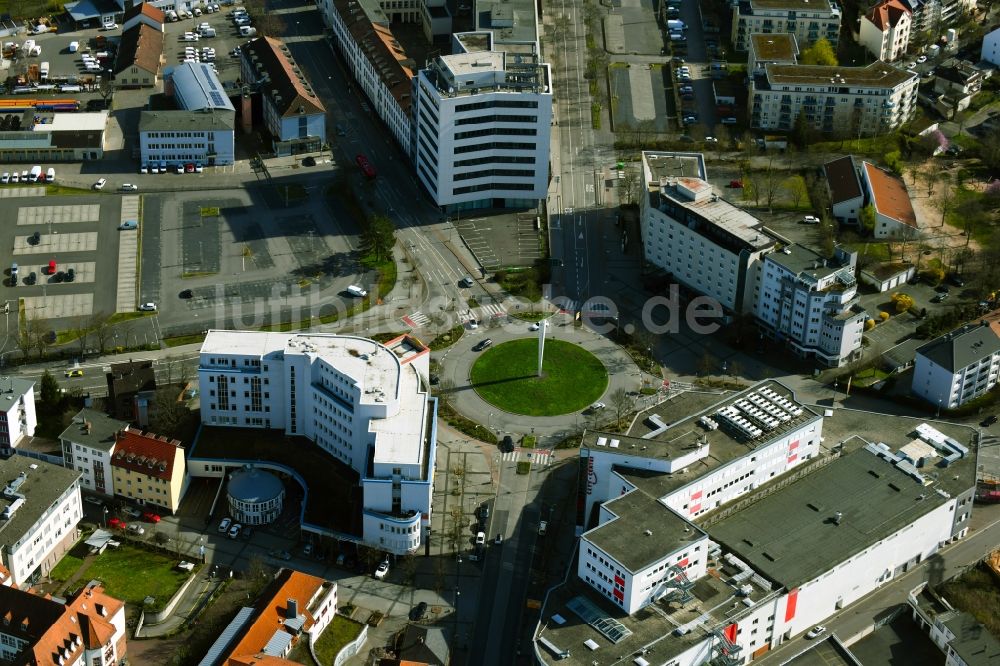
[
  {"x": 492, "y": 310},
  {"x": 567, "y": 305},
  {"x": 543, "y": 457},
  {"x": 416, "y": 320}
]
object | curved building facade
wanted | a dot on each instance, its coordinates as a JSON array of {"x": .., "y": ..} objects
[{"x": 255, "y": 497}]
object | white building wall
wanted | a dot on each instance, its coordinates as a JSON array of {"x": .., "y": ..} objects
[
  {"x": 88, "y": 461},
  {"x": 848, "y": 210},
  {"x": 991, "y": 47},
  {"x": 888, "y": 45},
  {"x": 37, "y": 545},
  {"x": 853, "y": 579},
  {"x": 184, "y": 147},
  {"x": 939, "y": 386},
  {"x": 807, "y": 26},
  {"x": 18, "y": 418}
]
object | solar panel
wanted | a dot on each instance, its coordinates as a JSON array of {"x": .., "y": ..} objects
[
  {"x": 217, "y": 98},
  {"x": 210, "y": 79}
]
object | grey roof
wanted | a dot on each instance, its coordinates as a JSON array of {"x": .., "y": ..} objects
[
  {"x": 643, "y": 532},
  {"x": 254, "y": 485},
  {"x": 973, "y": 642},
  {"x": 196, "y": 87},
  {"x": 799, "y": 259},
  {"x": 962, "y": 347},
  {"x": 791, "y": 536},
  {"x": 426, "y": 645},
  {"x": 12, "y": 388},
  {"x": 43, "y": 485},
  {"x": 842, "y": 179},
  {"x": 232, "y": 630},
  {"x": 191, "y": 121},
  {"x": 101, "y": 433}
]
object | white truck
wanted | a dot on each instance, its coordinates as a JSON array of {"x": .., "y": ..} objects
[{"x": 44, "y": 70}]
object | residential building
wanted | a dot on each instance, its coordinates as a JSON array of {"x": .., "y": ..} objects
[
  {"x": 849, "y": 101},
  {"x": 55, "y": 137},
  {"x": 991, "y": 48},
  {"x": 963, "y": 639},
  {"x": 41, "y": 508},
  {"x": 376, "y": 60},
  {"x": 364, "y": 403},
  {"x": 811, "y": 303},
  {"x": 149, "y": 469},
  {"x": 708, "y": 245},
  {"x": 140, "y": 54},
  {"x": 961, "y": 365},
  {"x": 293, "y": 607},
  {"x": 88, "y": 629},
  {"x": 145, "y": 13},
  {"x": 200, "y": 129},
  {"x": 932, "y": 16},
  {"x": 125, "y": 382},
  {"x": 483, "y": 116},
  {"x": 807, "y": 20},
  {"x": 843, "y": 181},
  {"x": 773, "y": 48},
  {"x": 88, "y": 443},
  {"x": 885, "y": 30},
  {"x": 291, "y": 110},
  {"x": 894, "y": 214},
  {"x": 17, "y": 412},
  {"x": 956, "y": 85},
  {"x": 744, "y": 529}
]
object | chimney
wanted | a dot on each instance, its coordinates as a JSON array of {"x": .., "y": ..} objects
[{"x": 292, "y": 610}]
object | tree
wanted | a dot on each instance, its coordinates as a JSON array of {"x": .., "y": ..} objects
[
  {"x": 770, "y": 183},
  {"x": 820, "y": 53},
  {"x": 903, "y": 302},
  {"x": 258, "y": 573},
  {"x": 706, "y": 364},
  {"x": 627, "y": 186},
  {"x": 169, "y": 413},
  {"x": 795, "y": 186},
  {"x": 99, "y": 326},
  {"x": 621, "y": 403},
  {"x": 49, "y": 394},
  {"x": 866, "y": 218},
  {"x": 378, "y": 237}
]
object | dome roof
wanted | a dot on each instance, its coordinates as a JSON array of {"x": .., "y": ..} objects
[{"x": 254, "y": 485}]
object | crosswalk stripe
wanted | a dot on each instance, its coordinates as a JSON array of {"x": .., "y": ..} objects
[{"x": 416, "y": 319}]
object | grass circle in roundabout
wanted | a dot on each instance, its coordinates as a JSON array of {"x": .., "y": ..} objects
[{"x": 506, "y": 376}]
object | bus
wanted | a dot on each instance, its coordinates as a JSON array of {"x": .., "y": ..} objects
[{"x": 366, "y": 167}]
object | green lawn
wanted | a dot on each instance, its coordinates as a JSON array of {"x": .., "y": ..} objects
[
  {"x": 132, "y": 574},
  {"x": 67, "y": 567},
  {"x": 339, "y": 633},
  {"x": 572, "y": 378}
]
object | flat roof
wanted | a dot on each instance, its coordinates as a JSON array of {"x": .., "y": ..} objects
[
  {"x": 95, "y": 121},
  {"x": 670, "y": 164},
  {"x": 510, "y": 21},
  {"x": 195, "y": 121},
  {"x": 463, "y": 64},
  {"x": 799, "y": 259},
  {"x": 643, "y": 531},
  {"x": 43, "y": 485},
  {"x": 685, "y": 433},
  {"x": 93, "y": 429},
  {"x": 875, "y": 75},
  {"x": 797, "y": 5},
  {"x": 824, "y": 518},
  {"x": 774, "y": 46}
]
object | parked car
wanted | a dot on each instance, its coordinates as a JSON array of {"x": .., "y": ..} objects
[
  {"x": 136, "y": 529},
  {"x": 989, "y": 420},
  {"x": 940, "y": 298},
  {"x": 482, "y": 344},
  {"x": 942, "y": 288},
  {"x": 956, "y": 280},
  {"x": 117, "y": 523},
  {"x": 810, "y": 219},
  {"x": 480, "y": 538},
  {"x": 224, "y": 525},
  {"x": 70, "y": 274},
  {"x": 498, "y": 541},
  {"x": 383, "y": 570},
  {"x": 132, "y": 512},
  {"x": 93, "y": 500},
  {"x": 151, "y": 517},
  {"x": 185, "y": 293},
  {"x": 148, "y": 307},
  {"x": 129, "y": 187},
  {"x": 234, "y": 531},
  {"x": 99, "y": 185}
]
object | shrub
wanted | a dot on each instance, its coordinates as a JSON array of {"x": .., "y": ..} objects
[
  {"x": 883, "y": 315},
  {"x": 869, "y": 324},
  {"x": 903, "y": 302}
]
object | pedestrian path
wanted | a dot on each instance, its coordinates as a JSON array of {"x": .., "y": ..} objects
[
  {"x": 128, "y": 258},
  {"x": 492, "y": 310},
  {"x": 542, "y": 457},
  {"x": 416, "y": 320}
]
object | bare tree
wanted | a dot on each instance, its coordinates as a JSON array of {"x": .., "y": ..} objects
[
  {"x": 627, "y": 186},
  {"x": 706, "y": 364},
  {"x": 169, "y": 413},
  {"x": 258, "y": 573},
  {"x": 770, "y": 183},
  {"x": 622, "y": 403},
  {"x": 99, "y": 326}
]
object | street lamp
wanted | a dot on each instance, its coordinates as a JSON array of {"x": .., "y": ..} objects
[
  {"x": 938, "y": 409},
  {"x": 104, "y": 522}
]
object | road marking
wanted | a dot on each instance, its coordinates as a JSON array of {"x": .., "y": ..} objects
[{"x": 416, "y": 320}]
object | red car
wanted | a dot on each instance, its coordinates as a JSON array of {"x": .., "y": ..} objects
[
  {"x": 52, "y": 267},
  {"x": 151, "y": 517},
  {"x": 117, "y": 523},
  {"x": 737, "y": 184},
  {"x": 189, "y": 168}
]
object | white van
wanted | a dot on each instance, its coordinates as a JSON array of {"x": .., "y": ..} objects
[
  {"x": 36, "y": 171},
  {"x": 248, "y": 31},
  {"x": 356, "y": 291},
  {"x": 74, "y": 47},
  {"x": 44, "y": 70},
  {"x": 208, "y": 32},
  {"x": 50, "y": 175}
]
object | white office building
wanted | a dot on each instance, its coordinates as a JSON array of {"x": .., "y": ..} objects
[
  {"x": 885, "y": 30},
  {"x": 958, "y": 366},
  {"x": 707, "y": 244},
  {"x": 17, "y": 411},
  {"x": 483, "y": 117},
  {"x": 88, "y": 444},
  {"x": 362, "y": 402},
  {"x": 41, "y": 507},
  {"x": 807, "y": 20},
  {"x": 811, "y": 303},
  {"x": 991, "y": 48}
]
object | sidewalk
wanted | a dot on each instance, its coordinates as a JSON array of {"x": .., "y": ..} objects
[{"x": 193, "y": 601}]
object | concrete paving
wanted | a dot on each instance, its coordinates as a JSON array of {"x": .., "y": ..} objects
[
  {"x": 15, "y": 192},
  {"x": 128, "y": 257},
  {"x": 58, "y": 307},
  {"x": 85, "y": 241},
  {"x": 42, "y": 215}
]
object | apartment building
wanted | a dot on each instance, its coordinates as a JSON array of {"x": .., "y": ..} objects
[
  {"x": 887, "y": 194},
  {"x": 41, "y": 508},
  {"x": 776, "y": 49},
  {"x": 364, "y": 403},
  {"x": 958, "y": 366},
  {"x": 290, "y": 108},
  {"x": 483, "y": 116},
  {"x": 991, "y": 47},
  {"x": 708, "y": 245},
  {"x": 377, "y": 60},
  {"x": 885, "y": 30},
  {"x": 675, "y": 515},
  {"x": 811, "y": 303},
  {"x": 932, "y": 16},
  {"x": 808, "y": 20},
  {"x": 149, "y": 469},
  {"x": 293, "y": 607},
  {"x": 849, "y": 101},
  {"x": 17, "y": 412},
  {"x": 88, "y": 444},
  {"x": 88, "y": 629}
]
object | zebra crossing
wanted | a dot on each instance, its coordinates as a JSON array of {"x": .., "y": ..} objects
[
  {"x": 543, "y": 457},
  {"x": 416, "y": 319},
  {"x": 492, "y": 310}
]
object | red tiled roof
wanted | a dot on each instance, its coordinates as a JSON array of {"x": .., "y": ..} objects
[
  {"x": 887, "y": 14},
  {"x": 296, "y": 97},
  {"x": 271, "y": 614},
  {"x": 889, "y": 196},
  {"x": 145, "y": 453},
  {"x": 142, "y": 46},
  {"x": 146, "y": 9}
]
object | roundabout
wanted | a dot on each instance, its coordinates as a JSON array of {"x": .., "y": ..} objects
[{"x": 506, "y": 377}]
